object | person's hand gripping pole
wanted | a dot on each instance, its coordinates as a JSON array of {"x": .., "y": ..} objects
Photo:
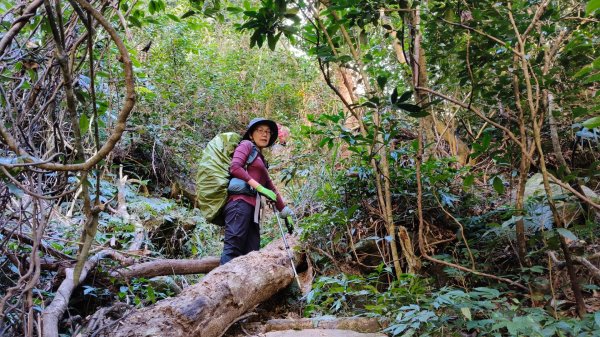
[
  {"x": 287, "y": 247},
  {"x": 266, "y": 192},
  {"x": 288, "y": 215}
]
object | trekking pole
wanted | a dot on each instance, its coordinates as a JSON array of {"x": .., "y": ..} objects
[{"x": 287, "y": 247}]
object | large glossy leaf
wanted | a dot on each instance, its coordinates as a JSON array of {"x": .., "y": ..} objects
[
  {"x": 405, "y": 96},
  {"x": 498, "y": 185},
  {"x": 394, "y": 96},
  {"x": 592, "y": 6},
  {"x": 591, "y": 123},
  {"x": 567, "y": 234},
  {"x": 381, "y": 81}
]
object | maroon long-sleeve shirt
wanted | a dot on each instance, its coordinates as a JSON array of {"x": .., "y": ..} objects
[{"x": 257, "y": 170}]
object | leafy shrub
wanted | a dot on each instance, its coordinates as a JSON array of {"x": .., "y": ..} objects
[
  {"x": 493, "y": 313},
  {"x": 368, "y": 295},
  {"x": 410, "y": 310}
]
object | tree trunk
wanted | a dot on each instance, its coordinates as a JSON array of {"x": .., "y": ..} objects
[{"x": 208, "y": 308}]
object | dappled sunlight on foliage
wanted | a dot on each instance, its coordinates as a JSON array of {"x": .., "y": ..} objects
[{"x": 441, "y": 158}]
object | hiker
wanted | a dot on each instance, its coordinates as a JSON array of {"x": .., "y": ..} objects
[{"x": 242, "y": 211}]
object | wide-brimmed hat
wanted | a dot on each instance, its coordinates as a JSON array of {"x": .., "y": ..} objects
[{"x": 262, "y": 121}]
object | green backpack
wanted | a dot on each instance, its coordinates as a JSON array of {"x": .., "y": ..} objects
[{"x": 213, "y": 175}]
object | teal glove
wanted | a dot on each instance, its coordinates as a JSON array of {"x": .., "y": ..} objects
[
  {"x": 286, "y": 212},
  {"x": 266, "y": 192}
]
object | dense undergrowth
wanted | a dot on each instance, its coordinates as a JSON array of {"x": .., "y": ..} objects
[
  {"x": 471, "y": 224},
  {"x": 197, "y": 76}
]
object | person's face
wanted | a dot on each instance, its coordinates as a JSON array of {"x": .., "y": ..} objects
[{"x": 261, "y": 136}]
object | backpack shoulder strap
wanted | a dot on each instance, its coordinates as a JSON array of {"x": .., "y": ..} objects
[{"x": 252, "y": 156}]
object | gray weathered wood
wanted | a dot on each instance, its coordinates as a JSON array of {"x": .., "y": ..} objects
[{"x": 208, "y": 308}]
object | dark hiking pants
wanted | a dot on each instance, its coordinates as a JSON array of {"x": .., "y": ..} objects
[{"x": 242, "y": 234}]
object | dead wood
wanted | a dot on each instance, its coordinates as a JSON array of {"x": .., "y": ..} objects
[
  {"x": 593, "y": 269},
  {"x": 53, "y": 313},
  {"x": 360, "y": 324},
  {"x": 167, "y": 267},
  {"x": 209, "y": 307}
]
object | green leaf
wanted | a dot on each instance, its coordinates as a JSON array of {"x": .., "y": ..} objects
[
  {"x": 419, "y": 114},
  {"x": 324, "y": 141},
  {"x": 233, "y": 9},
  {"x": 369, "y": 104},
  {"x": 381, "y": 81},
  {"x": 597, "y": 318},
  {"x": 592, "y": 79},
  {"x": 152, "y": 7},
  {"x": 592, "y": 6},
  {"x": 173, "y": 17},
  {"x": 567, "y": 234},
  {"x": 293, "y": 10},
  {"x": 272, "y": 40},
  {"x": 413, "y": 110},
  {"x": 160, "y": 5},
  {"x": 498, "y": 185},
  {"x": 134, "y": 21},
  {"x": 260, "y": 39},
  {"x": 468, "y": 181},
  {"x": 592, "y": 122},
  {"x": 579, "y": 111},
  {"x": 405, "y": 96},
  {"x": 188, "y": 14},
  {"x": 584, "y": 71},
  {"x": 84, "y": 123},
  {"x": 466, "y": 312},
  {"x": 394, "y": 97}
]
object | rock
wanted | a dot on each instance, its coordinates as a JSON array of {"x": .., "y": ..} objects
[{"x": 538, "y": 212}]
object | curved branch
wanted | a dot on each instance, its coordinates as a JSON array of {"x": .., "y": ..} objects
[
  {"x": 19, "y": 24},
  {"x": 33, "y": 194},
  {"x": 120, "y": 125},
  {"x": 52, "y": 314}
]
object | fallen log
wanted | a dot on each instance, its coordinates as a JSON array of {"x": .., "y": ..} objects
[
  {"x": 208, "y": 308},
  {"x": 167, "y": 267},
  {"x": 359, "y": 324}
]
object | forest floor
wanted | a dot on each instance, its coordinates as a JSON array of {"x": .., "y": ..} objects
[{"x": 319, "y": 333}]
